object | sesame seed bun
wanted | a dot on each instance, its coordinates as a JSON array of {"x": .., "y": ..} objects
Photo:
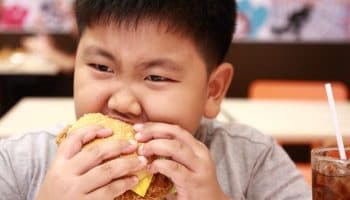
[{"x": 150, "y": 187}]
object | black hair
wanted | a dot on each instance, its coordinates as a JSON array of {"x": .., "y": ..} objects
[{"x": 210, "y": 24}]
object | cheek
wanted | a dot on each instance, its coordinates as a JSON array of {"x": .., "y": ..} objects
[
  {"x": 183, "y": 107},
  {"x": 89, "y": 95}
]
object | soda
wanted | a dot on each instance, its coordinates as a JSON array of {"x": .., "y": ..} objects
[{"x": 330, "y": 175}]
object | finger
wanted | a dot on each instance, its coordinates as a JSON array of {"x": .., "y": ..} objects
[
  {"x": 94, "y": 155},
  {"x": 178, "y": 173},
  {"x": 149, "y": 131},
  {"x": 174, "y": 149},
  {"x": 114, "y": 189},
  {"x": 75, "y": 141},
  {"x": 113, "y": 169}
]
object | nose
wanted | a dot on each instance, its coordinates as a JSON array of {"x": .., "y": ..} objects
[{"x": 125, "y": 102}]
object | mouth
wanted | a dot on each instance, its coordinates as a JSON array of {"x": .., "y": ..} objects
[{"x": 124, "y": 117}]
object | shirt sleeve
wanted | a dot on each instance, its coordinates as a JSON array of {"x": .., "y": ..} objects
[
  {"x": 24, "y": 160},
  {"x": 275, "y": 176},
  {"x": 9, "y": 187}
]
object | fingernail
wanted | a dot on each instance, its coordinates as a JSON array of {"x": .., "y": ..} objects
[
  {"x": 142, "y": 160},
  {"x": 135, "y": 179},
  {"x": 132, "y": 142},
  {"x": 105, "y": 131},
  {"x": 138, "y": 127},
  {"x": 138, "y": 136},
  {"x": 140, "y": 150}
]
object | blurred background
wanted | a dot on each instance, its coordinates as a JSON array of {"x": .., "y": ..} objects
[
  {"x": 275, "y": 40},
  {"x": 283, "y": 49},
  {"x": 37, "y": 47}
]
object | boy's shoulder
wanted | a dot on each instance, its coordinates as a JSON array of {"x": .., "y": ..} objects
[
  {"x": 233, "y": 133},
  {"x": 24, "y": 160},
  {"x": 32, "y": 137},
  {"x": 34, "y": 146}
]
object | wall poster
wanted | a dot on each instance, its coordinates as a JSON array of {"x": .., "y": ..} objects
[
  {"x": 271, "y": 20},
  {"x": 36, "y": 16},
  {"x": 305, "y": 20}
]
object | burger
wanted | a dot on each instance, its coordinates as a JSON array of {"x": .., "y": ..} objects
[{"x": 150, "y": 187}]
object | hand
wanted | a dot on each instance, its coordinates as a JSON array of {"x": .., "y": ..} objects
[
  {"x": 44, "y": 46},
  {"x": 189, "y": 166},
  {"x": 38, "y": 44},
  {"x": 95, "y": 172}
]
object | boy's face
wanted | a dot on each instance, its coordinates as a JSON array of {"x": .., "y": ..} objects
[{"x": 140, "y": 75}]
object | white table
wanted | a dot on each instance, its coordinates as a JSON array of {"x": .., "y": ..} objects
[
  {"x": 289, "y": 121},
  {"x": 36, "y": 113},
  {"x": 23, "y": 63}
]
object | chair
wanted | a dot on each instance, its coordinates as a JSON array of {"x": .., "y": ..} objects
[{"x": 297, "y": 90}]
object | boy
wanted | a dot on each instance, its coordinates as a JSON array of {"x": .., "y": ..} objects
[{"x": 158, "y": 65}]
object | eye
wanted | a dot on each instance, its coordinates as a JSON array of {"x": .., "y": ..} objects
[
  {"x": 101, "y": 68},
  {"x": 156, "y": 78}
]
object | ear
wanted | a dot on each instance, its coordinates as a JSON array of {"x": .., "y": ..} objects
[{"x": 218, "y": 84}]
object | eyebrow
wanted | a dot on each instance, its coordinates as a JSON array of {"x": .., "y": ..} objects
[
  {"x": 163, "y": 63},
  {"x": 93, "y": 50}
]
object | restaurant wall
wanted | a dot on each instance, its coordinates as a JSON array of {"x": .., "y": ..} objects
[{"x": 291, "y": 61}]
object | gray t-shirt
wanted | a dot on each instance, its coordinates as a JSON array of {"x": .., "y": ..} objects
[{"x": 249, "y": 165}]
